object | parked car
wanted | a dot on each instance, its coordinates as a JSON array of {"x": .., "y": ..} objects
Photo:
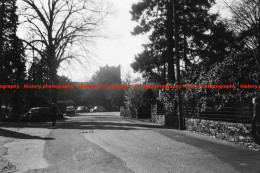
[
  {"x": 37, "y": 114},
  {"x": 99, "y": 109},
  {"x": 81, "y": 109},
  {"x": 40, "y": 114},
  {"x": 70, "y": 110}
]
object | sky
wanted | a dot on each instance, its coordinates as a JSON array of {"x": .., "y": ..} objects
[{"x": 120, "y": 47}]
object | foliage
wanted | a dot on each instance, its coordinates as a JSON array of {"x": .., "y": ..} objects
[
  {"x": 245, "y": 22},
  {"x": 134, "y": 100},
  {"x": 12, "y": 58},
  {"x": 38, "y": 72},
  {"x": 203, "y": 38},
  {"x": 212, "y": 51},
  {"x": 235, "y": 69},
  {"x": 152, "y": 17},
  {"x": 37, "y": 75},
  {"x": 74, "y": 94},
  {"x": 110, "y": 98},
  {"x": 149, "y": 98}
]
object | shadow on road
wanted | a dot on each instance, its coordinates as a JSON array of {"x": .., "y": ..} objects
[
  {"x": 87, "y": 125},
  {"x": 18, "y": 135},
  {"x": 105, "y": 125},
  {"x": 84, "y": 123}
]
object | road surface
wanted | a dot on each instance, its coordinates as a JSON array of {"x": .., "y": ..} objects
[{"x": 106, "y": 142}]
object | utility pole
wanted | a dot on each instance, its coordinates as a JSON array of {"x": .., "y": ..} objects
[{"x": 176, "y": 37}]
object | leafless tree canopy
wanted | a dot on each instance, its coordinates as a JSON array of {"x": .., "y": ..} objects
[
  {"x": 62, "y": 29},
  {"x": 246, "y": 18},
  {"x": 246, "y": 21}
]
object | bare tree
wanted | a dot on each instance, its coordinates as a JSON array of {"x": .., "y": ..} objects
[
  {"x": 62, "y": 29},
  {"x": 246, "y": 21}
]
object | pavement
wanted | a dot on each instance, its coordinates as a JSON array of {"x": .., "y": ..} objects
[{"x": 106, "y": 142}]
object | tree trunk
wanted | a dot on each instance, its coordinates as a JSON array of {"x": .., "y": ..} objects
[
  {"x": 170, "y": 41},
  {"x": 1, "y": 51},
  {"x": 53, "y": 81},
  {"x": 53, "y": 69},
  {"x": 176, "y": 37}
]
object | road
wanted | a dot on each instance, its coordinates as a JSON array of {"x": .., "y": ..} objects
[{"x": 106, "y": 142}]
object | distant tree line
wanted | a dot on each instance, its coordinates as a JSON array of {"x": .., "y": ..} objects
[{"x": 112, "y": 99}]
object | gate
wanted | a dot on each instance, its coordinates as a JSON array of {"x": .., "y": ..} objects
[{"x": 144, "y": 112}]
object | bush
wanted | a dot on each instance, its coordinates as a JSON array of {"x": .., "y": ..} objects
[{"x": 234, "y": 70}]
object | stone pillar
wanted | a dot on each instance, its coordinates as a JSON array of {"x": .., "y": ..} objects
[{"x": 154, "y": 113}]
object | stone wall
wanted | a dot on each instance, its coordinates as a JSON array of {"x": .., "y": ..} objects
[{"x": 233, "y": 132}]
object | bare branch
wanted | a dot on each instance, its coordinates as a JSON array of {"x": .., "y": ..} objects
[{"x": 63, "y": 28}]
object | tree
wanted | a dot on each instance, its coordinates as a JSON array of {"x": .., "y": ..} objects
[
  {"x": 74, "y": 94},
  {"x": 12, "y": 59},
  {"x": 153, "y": 61},
  {"x": 106, "y": 96},
  {"x": 149, "y": 98},
  {"x": 246, "y": 23},
  {"x": 197, "y": 33},
  {"x": 61, "y": 29},
  {"x": 37, "y": 75},
  {"x": 235, "y": 69},
  {"x": 16, "y": 74},
  {"x": 38, "y": 72},
  {"x": 134, "y": 100},
  {"x": 107, "y": 75}
]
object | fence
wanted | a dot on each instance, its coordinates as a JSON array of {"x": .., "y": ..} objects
[{"x": 227, "y": 114}]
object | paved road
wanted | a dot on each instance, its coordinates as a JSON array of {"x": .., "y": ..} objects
[{"x": 105, "y": 142}]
